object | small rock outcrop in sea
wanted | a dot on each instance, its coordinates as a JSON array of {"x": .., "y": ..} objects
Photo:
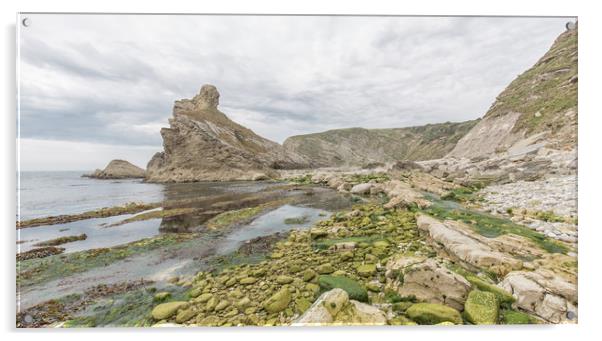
[
  {"x": 203, "y": 144},
  {"x": 118, "y": 169}
]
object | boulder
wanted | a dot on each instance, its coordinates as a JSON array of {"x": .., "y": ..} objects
[
  {"x": 481, "y": 307},
  {"x": 502, "y": 295},
  {"x": 279, "y": 301},
  {"x": 433, "y": 313},
  {"x": 166, "y": 310},
  {"x": 362, "y": 188},
  {"x": 431, "y": 282},
  {"x": 353, "y": 288},
  {"x": 366, "y": 270},
  {"x": 325, "y": 269},
  {"x": 543, "y": 294},
  {"x": 402, "y": 194},
  {"x": 460, "y": 244},
  {"x": 335, "y": 308}
]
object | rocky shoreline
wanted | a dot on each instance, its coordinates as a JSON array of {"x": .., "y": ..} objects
[
  {"x": 394, "y": 266},
  {"x": 487, "y": 233}
]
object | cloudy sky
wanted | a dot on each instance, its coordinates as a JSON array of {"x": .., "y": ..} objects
[{"x": 98, "y": 87}]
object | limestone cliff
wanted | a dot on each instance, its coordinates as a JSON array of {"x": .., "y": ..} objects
[
  {"x": 118, "y": 169},
  {"x": 203, "y": 144},
  {"x": 539, "y": 108},
  {"x": 358, "y": 146}
]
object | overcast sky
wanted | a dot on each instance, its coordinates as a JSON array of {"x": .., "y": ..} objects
[{"x": 98, "y": 87}]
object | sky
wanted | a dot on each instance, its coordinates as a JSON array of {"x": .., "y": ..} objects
[{"x": 98, "y": 87}]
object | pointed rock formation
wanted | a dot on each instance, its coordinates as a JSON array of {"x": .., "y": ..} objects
[{"x": 203, "y": 144}]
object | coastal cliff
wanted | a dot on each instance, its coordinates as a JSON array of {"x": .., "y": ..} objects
[
  {"x": 359, "y": 146},
  {"x": 539, "y": 108},
  {"x": 203, "y": 144}
]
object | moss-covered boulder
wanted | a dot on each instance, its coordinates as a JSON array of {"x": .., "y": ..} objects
[
  {"x": 366, "y": 270},
  {"x": 353, "y": 288},
  {"x": 203, "y": 298},
  {"x": 481, "y": 307},
  {"x": 433, "y": 313},
  {"x": 248, "y": 280},
  {"x": 502, "y": 295},
  {"x": 283, "y": 279},
  {"x": 166, "y": 310},
  {"x": 278, "y": 302},
  {"x": 309, "y": 274},
  {"x": 325, "y": 269},
  {"x": 161, "y": 296},
  {"x": 516, "y": 317},
  {"x": 222, "y": 305},
  {"x": 185, "y": 315}
]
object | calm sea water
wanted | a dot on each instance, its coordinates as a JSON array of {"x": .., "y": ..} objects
[{"x": 43, "y": 194}]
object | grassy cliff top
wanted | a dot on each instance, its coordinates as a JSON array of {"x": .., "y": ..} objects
[{"x": 546, "y": 93}]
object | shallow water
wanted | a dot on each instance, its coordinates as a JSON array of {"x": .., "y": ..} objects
[
  {"x": 43, "y": 194},
  {"x": 270, "y": 223},
  {"x": 98, "y": 233},
  {"x": 188, "y": 257}
]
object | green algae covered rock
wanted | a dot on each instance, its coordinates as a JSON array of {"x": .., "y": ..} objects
[
  {"x": 353, "y": 288},
  {"x": 243, "y": 303},
  {"x": 309, "y": 274},
  {"x": 325, "y": 269},
  {"x": 381, "y": 244},
  {"x": 161, "y": 296},
  {"x": 185, "y": 315},
  {"x": 516, "y": 317},
  {"x": 446, "y": 323},
  {"x": 433, "y": 313},
  {"x": 313, "y": 288},
  {"x": 283, "y": 279},
  {"x": 481, "y": 307},
  {"x": 222, "y": 305},
  {"x": 502, "y": 295},
  {"x": 203, "y": 298},
  {"x": 248, "y": 280},
  {"x": 401, "y": 321},
  {"x": 302, "y": 304},
  {"x": 278, "y": 302},
  {"x": 166, "y": 310},
  {"x": 366, "y": 270}
]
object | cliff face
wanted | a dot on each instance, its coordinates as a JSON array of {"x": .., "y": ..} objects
[
  {"x": 203, "y": 144},
  {"x": 538, "y": 108},
  {"x": 358, "y": 146},
  {"x": 118, "y": 169}
]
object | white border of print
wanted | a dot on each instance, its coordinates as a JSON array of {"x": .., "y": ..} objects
[{"x": 589, "y": 165}]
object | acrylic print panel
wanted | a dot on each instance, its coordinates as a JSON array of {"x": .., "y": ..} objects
[{"x": 238, "y": 170}]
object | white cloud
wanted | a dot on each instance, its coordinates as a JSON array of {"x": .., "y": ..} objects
[{"x": 112, "y": 80}]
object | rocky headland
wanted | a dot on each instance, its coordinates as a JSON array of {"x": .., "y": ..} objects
[{"x": 203, "y": 144}]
